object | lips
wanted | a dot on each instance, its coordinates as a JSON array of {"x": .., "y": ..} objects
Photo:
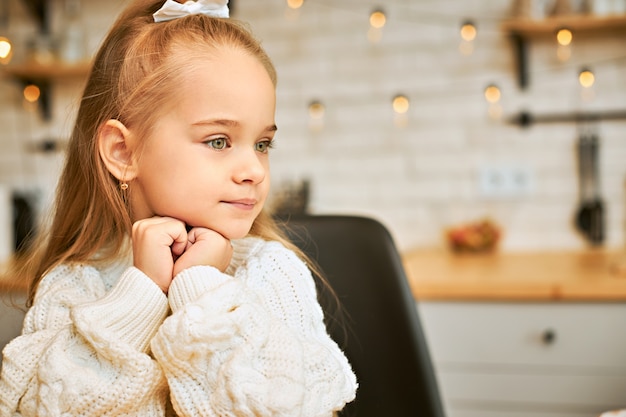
[{"x": 243, "y": 204}]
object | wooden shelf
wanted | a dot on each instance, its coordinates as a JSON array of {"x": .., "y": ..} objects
[
  {"x": 522, "y": 31},
  {"x": 43, "y": 74},
  {"x": 35, "y": 71},
  {"x": 575, "y": 23}
]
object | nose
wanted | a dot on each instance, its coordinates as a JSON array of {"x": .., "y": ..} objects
[{"x": 249, "y": 167}]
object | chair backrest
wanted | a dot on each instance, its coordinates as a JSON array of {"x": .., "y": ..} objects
[{"x": 381, "y": 335}]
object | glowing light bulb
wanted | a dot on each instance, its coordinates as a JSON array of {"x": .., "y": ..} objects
[
  {"x": 492, "y": 94},
  {"x": 586, "y": 78},
  {"x": 468, "y": 31},
  {"x": 316, "y": 110},
  {"x": 6, "y": 50},
  {"x": 400, "y": 104},
  {"x": 295, "y": 4},
  {"x": 468, "y": 35},
  {"x": 5, "y": 47},
  {"x": 31, "y": 93},
  {"x": 564, "y": 37},
  {"x": 378, "y": 19}
]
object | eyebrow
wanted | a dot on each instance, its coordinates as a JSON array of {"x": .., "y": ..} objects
[{"x": 230, "y": 123}]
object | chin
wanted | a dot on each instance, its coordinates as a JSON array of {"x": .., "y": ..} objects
[{"x": 235, "y": 232}]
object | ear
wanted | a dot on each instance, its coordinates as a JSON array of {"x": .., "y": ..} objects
[{"x": 115, "y": 146}]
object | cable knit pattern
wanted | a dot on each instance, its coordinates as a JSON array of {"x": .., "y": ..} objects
[
  {"x": 83, "y": 350},
  {"x": 248, "y": 342}
]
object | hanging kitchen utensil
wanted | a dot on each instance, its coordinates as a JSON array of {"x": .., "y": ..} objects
[
  {"x": 583, "y": 221},
  {"x": 590, "y": 214},
  {"x": 596, "y": 205}
]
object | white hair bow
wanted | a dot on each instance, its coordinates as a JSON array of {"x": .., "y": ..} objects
[{"x": 173, "y": 10}]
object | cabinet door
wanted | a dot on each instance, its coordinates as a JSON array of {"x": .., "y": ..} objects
[
  {"x": 589, "y": 335},
  {"x": 545, "y": 358}
]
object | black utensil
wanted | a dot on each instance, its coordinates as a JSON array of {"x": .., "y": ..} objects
[
  {"x": 590, "y": 214},
  {"x": 583, "y": 214},
  {"x": 596, "y": 205}
]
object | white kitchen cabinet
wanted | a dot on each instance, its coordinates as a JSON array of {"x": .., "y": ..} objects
[{"x": 531, "y": 359}]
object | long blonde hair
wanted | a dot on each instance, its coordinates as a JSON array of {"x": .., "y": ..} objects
[{"x": 132, "y": 80}]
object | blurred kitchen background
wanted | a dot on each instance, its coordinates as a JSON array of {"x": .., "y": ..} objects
[
  {"x": 426, "y": 115},
  {"x": 481, "y": 123}
]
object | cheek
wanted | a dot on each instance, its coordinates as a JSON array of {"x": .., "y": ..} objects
[
  {"x": 164, "y": 162},
  {"x": 266, "y": 185},
  {"x": 161, "y": 179}
]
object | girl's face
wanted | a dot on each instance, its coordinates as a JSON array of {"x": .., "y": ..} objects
[{"x": 206, "y": 162}]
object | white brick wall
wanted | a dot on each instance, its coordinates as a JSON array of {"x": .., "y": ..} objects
[{"x": 420, "y": 178}]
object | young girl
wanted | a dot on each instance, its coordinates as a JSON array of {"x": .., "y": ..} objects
[{"x": 162, "y": 287}]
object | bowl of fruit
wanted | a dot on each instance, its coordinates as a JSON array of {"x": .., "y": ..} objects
[{"x": 477, "y": 236}]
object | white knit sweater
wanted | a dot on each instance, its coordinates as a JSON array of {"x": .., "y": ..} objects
[{"x": 247, "y": 342}]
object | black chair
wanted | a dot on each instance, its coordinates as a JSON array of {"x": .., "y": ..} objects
[{"x": 381, "y": 332}]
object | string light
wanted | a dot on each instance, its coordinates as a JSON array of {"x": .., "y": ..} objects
[
  {"x": 468, "y": 31},
  {"x": 295, "y": 4},
  {"x": 400, "y": 104},
  {"x": 378, "y": 19},
  {"x": 6, "y": 50},
  {"x": 317, "y": 110},
  {"x": 492, "y": 94},
  {"x": 377, "y": 22},
  {"x": 564, "y": 36},
  {"x": 468, "y": 34},
  {"x": 564, "y": 40},
  {"x": 586, "y": 77},
  {"x": 31, "y": 93}
]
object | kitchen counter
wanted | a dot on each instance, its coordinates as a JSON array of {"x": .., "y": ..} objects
[
  {"x": 11, "y": 283},
  {"x": 593, "y": 275}
]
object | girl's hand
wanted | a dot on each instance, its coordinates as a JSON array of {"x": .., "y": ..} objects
[
  {"x": 205, "y": 247},
  {"x": 157, "y": 242},
  {"x": 162, "y": 248}
]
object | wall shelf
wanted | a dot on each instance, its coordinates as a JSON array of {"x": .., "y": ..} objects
[
  {"x": 527, "y": 119},
  {"x": 577, "y": 23},
  {"x": 522, "y": 31},
  {"x": 42, "y": 75},
  {"x": 58, "y": 70}
]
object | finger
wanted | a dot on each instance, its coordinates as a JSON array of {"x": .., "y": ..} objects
[
  {"x": 200, "y": 233},
  {"x": 205, "y": 247},
  {"x": 179, "y": 240},
  {"x": 165, "y": 231}
]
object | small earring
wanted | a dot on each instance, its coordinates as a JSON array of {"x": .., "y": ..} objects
[{"x": 124, "y": 186}]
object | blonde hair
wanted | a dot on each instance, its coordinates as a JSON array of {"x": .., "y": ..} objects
[{"x": 132, "y": 75}]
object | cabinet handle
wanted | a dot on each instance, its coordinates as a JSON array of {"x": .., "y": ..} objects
[{"x": 548, "y": 336}]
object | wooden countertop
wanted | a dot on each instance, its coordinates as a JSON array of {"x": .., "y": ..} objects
[
  {"x": 594, "y": 275},
  {"x": 11, "y": 283}
]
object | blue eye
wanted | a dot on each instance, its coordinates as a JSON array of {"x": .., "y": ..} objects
[
  {"x": 217, "y": 143},
  {"x": 263, "y": 146}
]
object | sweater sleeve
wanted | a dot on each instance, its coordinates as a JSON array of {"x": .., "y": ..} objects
[
  {"x": 83, "y": 349},
  {"x": 253, "y": 343}
]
